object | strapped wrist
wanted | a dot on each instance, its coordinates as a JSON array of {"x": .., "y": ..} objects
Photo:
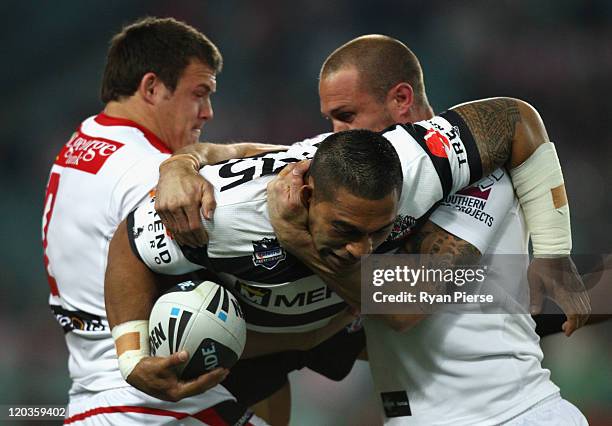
[
  {"x": 131, "y": 343},
  {"x": 541, "y": 191}
]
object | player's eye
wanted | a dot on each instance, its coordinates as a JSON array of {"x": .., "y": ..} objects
[{"x": 345, "y": 117}]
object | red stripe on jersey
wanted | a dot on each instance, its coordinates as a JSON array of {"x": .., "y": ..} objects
[
  {"x": 210, "y": 417},
  {"x": 124, "y": 409},
  {"x": 50, "y": 197},
  {"x": 106, "y": 120}
]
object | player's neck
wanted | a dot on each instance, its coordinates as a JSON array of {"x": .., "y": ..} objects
[
  {"x": 419, "y": 113},
  {"x": 130, "y": 110}
]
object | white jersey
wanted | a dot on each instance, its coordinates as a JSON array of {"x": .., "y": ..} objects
[
  {"x": 276, "y": 291},
  {"x": 102, "y": 173},
  {"x": 467, "y": 369}
]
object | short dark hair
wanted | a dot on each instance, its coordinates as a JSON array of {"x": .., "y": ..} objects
[
  {"x": 360, "y": 161},
  {"x": 382, "y": 62},
  {"x": 163, "y": 46}
]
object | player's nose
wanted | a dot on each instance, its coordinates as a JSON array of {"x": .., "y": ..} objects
[
  {"x": 206, "y": 112},
  {"x": 360, "y": 248}
]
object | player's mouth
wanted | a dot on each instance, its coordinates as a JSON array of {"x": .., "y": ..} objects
[
  {"x": 195, "y": 133},
  {"x": 339, "y": 261}
]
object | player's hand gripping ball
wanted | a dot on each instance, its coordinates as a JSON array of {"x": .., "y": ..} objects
[{"x": 202, "y": 318}]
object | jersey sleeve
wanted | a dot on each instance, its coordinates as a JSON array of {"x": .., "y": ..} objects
[
  {"x": 450, "y": 146},
  {"x": 475, "y": 214},
  {"x": 438, "y": 157},
  {"x": 152, "y": 245}
]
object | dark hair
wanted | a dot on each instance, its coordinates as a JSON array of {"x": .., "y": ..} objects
[
  {"x": 361, "y": 161},
  {"x": 163, "y": 46},
  {"x": 382, "y": 62}
]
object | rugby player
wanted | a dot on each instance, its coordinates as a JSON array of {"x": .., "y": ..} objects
[
  {"x": 349, "y": 99},
  {"x": 448, "y": 368},
  {"x": 156, "y": 88},
  {"x": 251, "y": 260}
]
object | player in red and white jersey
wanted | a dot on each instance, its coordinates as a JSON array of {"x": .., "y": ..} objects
[{"x": 106, "y": 169}]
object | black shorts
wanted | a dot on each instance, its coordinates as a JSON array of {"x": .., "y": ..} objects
[{"x": 255, "y": 379}]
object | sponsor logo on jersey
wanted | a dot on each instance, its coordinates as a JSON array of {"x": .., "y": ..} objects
[
  {"x": 473, "y": 200},
  {"x": 268, "y": 253},
  {"x": 401, "y": 227},
  {"x": 265, "y": 297},
  {"x": 437, "y": 143},
  {"x": 77, "y": 320},
  {"x": 396, "y": 404},
  {"x": 475, "y": 192},
  {"x": 220, "y": 304},
  {"x": 439, "y": 140},
  {"x": 85, "y": 153},
  {"x": 256, "y": 295},
  {"x": 181, "y": 316}
]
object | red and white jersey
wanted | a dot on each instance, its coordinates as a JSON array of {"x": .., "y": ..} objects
[
  {"x": 469, "y": 368},
  {"x": 106, "y": 169},
  {"x": 277, "y": 292}
]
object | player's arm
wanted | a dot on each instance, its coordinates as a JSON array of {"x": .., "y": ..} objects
[
  {"x": 130, "y": 290},
  {"x": 509, "y": 131},
  {"x": 181, "y": 190},
  {"x": 437, "y": 248}
]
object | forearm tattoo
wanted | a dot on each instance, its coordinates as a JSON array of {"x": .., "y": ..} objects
[
  {"x": 443, "y": 251},
  {"x": 493, "y": 126}
]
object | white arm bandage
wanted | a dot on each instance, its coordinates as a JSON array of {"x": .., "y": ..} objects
[
  {"x": 540, "y": 189},
  {"x": 132, "y": 344}
]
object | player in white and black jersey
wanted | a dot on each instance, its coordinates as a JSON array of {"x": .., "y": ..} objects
[
  {"x": 125, "y": 271},
  {"x": 242, "y": 247},
  {"x": 442, "y": 370}
]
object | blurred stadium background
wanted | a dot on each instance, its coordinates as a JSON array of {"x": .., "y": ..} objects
[{"x": 556, "y": 54}]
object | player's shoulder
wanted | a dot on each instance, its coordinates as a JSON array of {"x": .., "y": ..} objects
[{"x": 122, "y": 133}]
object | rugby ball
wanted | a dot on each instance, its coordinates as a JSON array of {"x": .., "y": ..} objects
[{"x": 202, "y": 318}]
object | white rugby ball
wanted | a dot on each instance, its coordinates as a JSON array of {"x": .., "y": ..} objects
[{"x": 202, "y": 318}]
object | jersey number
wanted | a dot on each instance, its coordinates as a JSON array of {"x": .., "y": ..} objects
[{"x": 248, "y": 174}]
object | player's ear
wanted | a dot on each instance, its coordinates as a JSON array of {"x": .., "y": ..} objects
[
  {"x": 400, "y": 99},
  {"x": 150, "y": 87},
  {"x": 306, "y": 192}
]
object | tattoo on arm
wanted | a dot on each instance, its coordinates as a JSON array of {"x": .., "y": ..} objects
[
  {"x": 433, "y": 240},
  {"x": 449, "y": 251},
  {"x": 493, "y": 126}
]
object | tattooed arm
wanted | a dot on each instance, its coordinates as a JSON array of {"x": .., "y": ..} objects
[
  {"x": 449, "y": 251},
  {"x": 506, "y": 130}
]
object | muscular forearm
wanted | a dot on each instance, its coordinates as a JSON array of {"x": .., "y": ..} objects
[
  {"x": 211, "y": 153},
  {"x": 437, "y": 249},
  {"x": 130, "y": 288}
]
